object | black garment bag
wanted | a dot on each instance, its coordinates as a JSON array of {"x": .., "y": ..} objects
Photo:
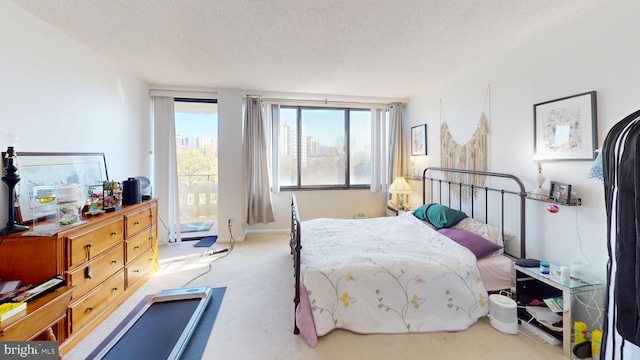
[{"x": 621, "y": 167}]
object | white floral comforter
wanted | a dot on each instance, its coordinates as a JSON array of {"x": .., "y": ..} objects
[{"x": 387, "y": 275}]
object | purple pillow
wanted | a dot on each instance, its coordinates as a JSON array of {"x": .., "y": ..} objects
[{"x": 478, "y": 245}]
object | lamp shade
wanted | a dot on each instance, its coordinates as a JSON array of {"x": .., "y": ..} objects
[
  {"x": 11, "y": 140},
  {"x": 400, "y": 186}
]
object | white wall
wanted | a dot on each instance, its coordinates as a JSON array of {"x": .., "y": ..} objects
[
  {"x": 595, "y": 52},
  {"x": 60, "y": 96},
  {"x": 230, "y": 173}
]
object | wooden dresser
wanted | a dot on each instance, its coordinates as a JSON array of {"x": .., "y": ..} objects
[{"x": 106, "y": 259}]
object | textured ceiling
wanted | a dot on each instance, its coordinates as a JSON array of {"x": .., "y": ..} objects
[{"x": 374, "y": 48}]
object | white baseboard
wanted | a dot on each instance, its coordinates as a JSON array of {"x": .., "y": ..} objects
[{"x": 268, "y": 231}]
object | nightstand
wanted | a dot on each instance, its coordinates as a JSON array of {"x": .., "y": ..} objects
[
  {"x": 391, "y": 211},
  {"x": 394, "y": 211},
  {"x": 530, "y": 284}
]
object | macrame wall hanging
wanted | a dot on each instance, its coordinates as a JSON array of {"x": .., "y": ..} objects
[{"x": 469, "y": 156}]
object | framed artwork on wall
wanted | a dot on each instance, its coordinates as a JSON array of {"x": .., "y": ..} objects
[
  {"x": 419, "y": 140},
  {"x": 566, "y": 129}
]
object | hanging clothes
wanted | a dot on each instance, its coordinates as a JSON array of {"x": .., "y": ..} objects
[{"x": 621, "y": 168}]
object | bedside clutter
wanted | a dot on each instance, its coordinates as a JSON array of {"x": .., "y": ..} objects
[
  {"x": 528, "y": 262},
  {"x": 576, "y": 271},
  {"x": 572, "y": 298}
]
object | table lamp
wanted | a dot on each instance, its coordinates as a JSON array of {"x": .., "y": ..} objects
[
  {"x": 540, "y": 178},
  {"x": 11, "y": 178},
  {"x": 400, "y": 189}
]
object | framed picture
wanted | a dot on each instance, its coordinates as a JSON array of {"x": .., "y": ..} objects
[
  {"x": 42, "y": 172},
  {"x": 560, "y": 193},
  {"x": 419, "y": 140},
  {"x": 566, "y": 129}
]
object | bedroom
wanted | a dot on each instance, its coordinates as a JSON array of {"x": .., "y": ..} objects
[{"x": 545, "y": 68}]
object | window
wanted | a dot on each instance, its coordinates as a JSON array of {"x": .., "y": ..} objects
[
  {"x": 196, "y": 123},
  {"x": 324, "y": 147}
]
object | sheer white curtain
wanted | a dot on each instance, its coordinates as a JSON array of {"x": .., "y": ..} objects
[
  {"x": 259, "y": 208},
  {"x": 165, "y": 174},
  {"x": 379, "y": 150},
  {"x": 398, "y": 160},
  {"x": 272, "y": 136}
]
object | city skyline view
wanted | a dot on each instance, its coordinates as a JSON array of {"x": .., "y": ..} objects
[{"x": 206, "y": 125}]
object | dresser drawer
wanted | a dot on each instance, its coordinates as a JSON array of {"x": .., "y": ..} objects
[
  {"x": 140, "y": 267},
  {"x": 94, "y": 241},
  {"x": 102, "y": 268},
  {"x": 90, "y": 306},
  {"x": 139, "y": 244},
  {"x": 138, "y": 221}
]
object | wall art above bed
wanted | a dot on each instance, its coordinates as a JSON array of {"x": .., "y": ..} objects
[{"x": 565, "y": 128}]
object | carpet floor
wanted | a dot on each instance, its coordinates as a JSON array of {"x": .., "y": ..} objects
[{"x": 256, "y": 316}]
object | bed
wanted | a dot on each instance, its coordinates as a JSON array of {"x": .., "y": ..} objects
[{"x": 404, "y": 274}]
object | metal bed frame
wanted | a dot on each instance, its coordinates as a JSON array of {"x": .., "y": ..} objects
[{"x": 455, "y": 187}]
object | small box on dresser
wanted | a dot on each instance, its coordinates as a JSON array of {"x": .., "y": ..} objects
[{"x": 105, "y": 259}]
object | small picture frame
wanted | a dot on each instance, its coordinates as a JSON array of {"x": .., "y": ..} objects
[
  {"x": 560, "y": 192},
  {"x": 419, "y": 140}
]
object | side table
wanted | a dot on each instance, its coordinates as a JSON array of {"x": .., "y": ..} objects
[
  {"x": 531, "y": 284},
  {"x": 394, "y": 211}
]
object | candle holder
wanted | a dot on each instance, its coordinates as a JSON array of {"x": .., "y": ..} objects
[{"x": 11, "y": 178}]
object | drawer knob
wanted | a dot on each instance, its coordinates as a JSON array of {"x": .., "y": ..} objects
[
  {"x": 114, "y": 289},
  {"x": 90, "y": 308},
  {"x": 136, "y": 247},
  {"x": 136, "y": 223},
  {"x": 114, "y": 261},
  {"x": 136, "y": 271},
  {"x": 114, "y": 233}
]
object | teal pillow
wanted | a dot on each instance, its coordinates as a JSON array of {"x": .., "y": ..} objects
[{"x": 439, "y": 215}]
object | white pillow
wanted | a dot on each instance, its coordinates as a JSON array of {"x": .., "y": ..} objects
[{"x": 488, "y": 232}]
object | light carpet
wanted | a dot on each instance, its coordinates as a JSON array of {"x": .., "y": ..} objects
[{"x": 256, "y": 317}]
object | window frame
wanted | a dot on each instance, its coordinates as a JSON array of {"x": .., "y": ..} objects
[
  {"x": 347, "y": 150},
  {"x": 198, "y": 199}
]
